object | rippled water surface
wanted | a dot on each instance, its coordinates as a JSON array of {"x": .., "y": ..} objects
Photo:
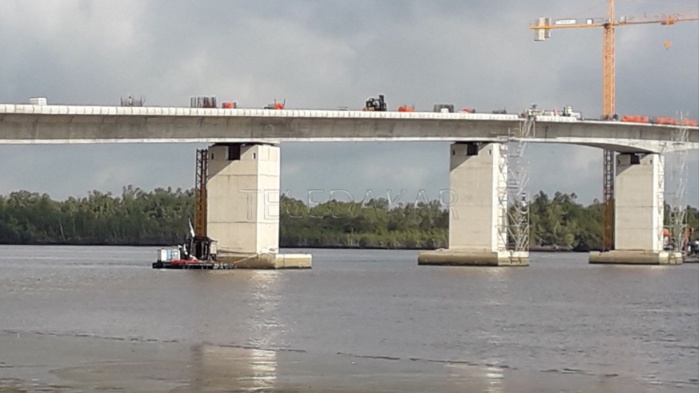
[{"x": 558, "y": 317}]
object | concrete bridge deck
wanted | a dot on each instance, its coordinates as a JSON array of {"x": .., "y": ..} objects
[{"x": 62, "y": 124}]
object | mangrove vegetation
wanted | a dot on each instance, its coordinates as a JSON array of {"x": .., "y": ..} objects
[{"x": 161, "y": 217}]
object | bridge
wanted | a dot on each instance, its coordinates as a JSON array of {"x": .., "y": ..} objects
[
  {"x": 244, "y": 166},
  {"x": 99, "y": 124}
]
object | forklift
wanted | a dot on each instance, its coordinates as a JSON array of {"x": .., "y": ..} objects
[{"x": 376, "y": 104}]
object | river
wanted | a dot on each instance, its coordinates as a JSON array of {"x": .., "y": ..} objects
[{"x": 76, "y": 319}]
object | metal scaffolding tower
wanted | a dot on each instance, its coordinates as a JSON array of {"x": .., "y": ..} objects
[
  {"x": 514, "y": 196},
  {"x": 676, "y": 196},
  {"x": 518, "y": 182}
]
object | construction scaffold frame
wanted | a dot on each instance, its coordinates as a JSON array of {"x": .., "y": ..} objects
[
  {"x": 676, "y": 196},
  {"x": 513, "y": 198},
  {"x": 608, "y": 178},
  {"x": 660, "y": 200}
]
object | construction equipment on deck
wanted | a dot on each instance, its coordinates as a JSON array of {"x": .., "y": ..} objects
[
  {"x": 276, "y": 105},
  {"x": 202, "y": 102},
  {"x": 542, "y": 31},
  {"x": 376, "y": 104},
  {"x": 443, "y": 108}
]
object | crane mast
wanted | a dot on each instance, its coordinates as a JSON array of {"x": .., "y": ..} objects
[
  {"x": 608, "y": 172},
  {"x": 200, "y": 178},
  {"x": 608, "y": 64},
  {"x": 542, "y": 31}
]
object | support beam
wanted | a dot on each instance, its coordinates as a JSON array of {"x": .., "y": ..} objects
[
  {"x": 477, "y": 210},
  {"x": 243, "y": 206},
  {"x": 639, "y": 212}
]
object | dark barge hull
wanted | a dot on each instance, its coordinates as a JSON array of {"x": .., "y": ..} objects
[{"x": 199, "y": 265}]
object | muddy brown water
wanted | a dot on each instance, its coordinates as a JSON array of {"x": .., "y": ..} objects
[{"x": 76, "y": 319}]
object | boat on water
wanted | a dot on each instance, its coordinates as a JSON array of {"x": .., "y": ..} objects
[
  {"x": 197, "y": 252},
  {"x": 692, "y": 252}
]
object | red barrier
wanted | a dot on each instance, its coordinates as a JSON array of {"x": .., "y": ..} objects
[
  {"x": 668, "y": 121},
  {"x": 635, "y": 119}
]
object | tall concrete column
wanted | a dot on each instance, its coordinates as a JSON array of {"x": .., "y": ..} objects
[
  {"x": 477, "y": 209},
  {"x": 639, "y": 213},
  {"x": 243, "y": 207},
  {"x": 243, "y": 198}
]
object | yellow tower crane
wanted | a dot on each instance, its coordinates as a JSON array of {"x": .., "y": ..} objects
[{"x": 542, "y": 30}]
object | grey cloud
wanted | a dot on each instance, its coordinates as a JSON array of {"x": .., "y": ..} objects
[{"x": 325, "y": 54}]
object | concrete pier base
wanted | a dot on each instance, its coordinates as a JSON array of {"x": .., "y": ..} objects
[
  {"x": 631, "y": 257},
  {"x": 473, "y": 258},
  {"x": 639, "y": 214},
  {"x": 267, "y": 261},
  {"x": 477, "y": 210}
]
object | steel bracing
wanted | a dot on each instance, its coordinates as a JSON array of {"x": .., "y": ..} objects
[
  {"x": 676, "y": 195},
  {"x": 513, "y": 194},
  {"x": 518, "y": 182},
  {"x": 660, "y": 200}
]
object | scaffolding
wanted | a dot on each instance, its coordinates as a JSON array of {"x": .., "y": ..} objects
[
  {"x": 512, "y": 193},
  {"x": 677, "y": 179},
  {"x": 517, "y": 185},
  {"x": 502, "y": 223},
  {"x": 660, "y": 202}
]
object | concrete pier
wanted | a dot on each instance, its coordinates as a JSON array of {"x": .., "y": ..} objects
[
  {"x": 243, "y": 206},
  {"x": 639, "y": 213},
  {"x": 477, "y": 210},
  {"x": 267, "y": 261}
]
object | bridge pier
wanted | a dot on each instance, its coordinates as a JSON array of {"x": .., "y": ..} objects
[
  {"x": 243, "y": 206},
  {"x": 477, "y": 210},
  {"x": 639, "y": 213}
]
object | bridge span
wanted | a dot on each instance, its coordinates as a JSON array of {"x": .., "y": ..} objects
[
  {"x": 99, "y": 124},
  {"x": 244, "y": 167}
]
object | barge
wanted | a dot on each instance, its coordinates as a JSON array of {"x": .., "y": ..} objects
[{"x": 198, "y": 252}]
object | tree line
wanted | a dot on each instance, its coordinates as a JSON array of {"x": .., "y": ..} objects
[{"x": 161, "y": 217}]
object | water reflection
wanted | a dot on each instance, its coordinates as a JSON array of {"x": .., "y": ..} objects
[
  {"x": 264, "y": 325},
  {"x": 489, "y": 379},
  {"x": 494, "y": 377},
  {"x": 218, "y": 368}
]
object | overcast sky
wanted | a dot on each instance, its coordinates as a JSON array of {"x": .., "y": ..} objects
[{"x": 326, "y": 54}]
